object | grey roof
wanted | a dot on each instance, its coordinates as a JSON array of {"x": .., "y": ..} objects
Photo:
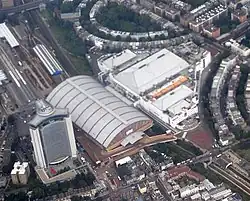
[
  {"x": 45, "y": 111},
  {"x": 56, "y": 146},
  {"x": 151, "y": 71},
  {"x": 93, "y": 108}
]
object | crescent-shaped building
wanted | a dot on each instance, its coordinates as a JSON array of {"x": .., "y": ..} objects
[{"x": 108, "y": 121}]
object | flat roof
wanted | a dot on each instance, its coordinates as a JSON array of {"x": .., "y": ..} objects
[
  {"x": 173, "y": 97},
  {"x": 123, "y": 161},
  {"x": 178, "y": 107},
  {"x": 118, "y": 59},
  {"x": 6, "y": 33},
  {"x": 151, "y": 70},
  {"x": 133, "y": 138}
]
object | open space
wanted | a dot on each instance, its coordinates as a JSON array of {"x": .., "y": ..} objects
[{"x": 201, "y": 137}]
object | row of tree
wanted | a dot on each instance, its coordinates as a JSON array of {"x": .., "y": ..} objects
[
  {"x": 39, "y": 190},
  {"x": 80, "y": 181}
]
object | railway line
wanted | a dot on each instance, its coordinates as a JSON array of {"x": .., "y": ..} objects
[{"x": 245, "y": 187}]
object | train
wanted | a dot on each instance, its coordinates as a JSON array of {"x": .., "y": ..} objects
[{"x": 50, "y": 63}]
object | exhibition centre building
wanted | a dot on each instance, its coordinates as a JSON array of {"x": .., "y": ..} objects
[{"x": 107, "y": 120}]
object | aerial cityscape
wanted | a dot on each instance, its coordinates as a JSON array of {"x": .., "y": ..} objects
[{"x": 124, "y": 100}]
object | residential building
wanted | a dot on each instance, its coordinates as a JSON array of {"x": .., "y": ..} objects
[
  {"x": 142, "y": 187},
  {"x": 71, "y": 16},
  {"x": 159, "y": 9},
  {"x": 172, "y": 13},
  {"x": 219, "y": 80},
  {"x": 211, "y": 31},
  {"x": 20, "y": 173},
  {"x": 3, "y": 181},
  {"x": 149, "y": 4},
  {"x": 238, "y": 48},
  {"x": 208, "y": 17}
]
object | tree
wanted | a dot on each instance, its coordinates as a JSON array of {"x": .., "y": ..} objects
[
  {"x": 239, "y": 6},
  {"x": 162, "y": 37},
  {"x": 11, "y": 119},
  {"x": 247, "y": 35},
  {"x": 67, "y": 7},
  {"x": 142, "y": 39},
  {"x": 2, "y": 17},
  {"x": 13, "y": 19},
  {"x": 21, "y": 196},
  {"x": 118, "y": 38},
  {"x": 76, "y": 198},
  {"x": 149, "y": 38},
  {"x": 121, "y": 18}
]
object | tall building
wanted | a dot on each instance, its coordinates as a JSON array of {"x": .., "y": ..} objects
[
  {"x": 52, "y": 135},
  {"x": 20, "y": 173}
]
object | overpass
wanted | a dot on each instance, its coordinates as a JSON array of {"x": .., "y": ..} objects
[{"x": 24, "y": 7}]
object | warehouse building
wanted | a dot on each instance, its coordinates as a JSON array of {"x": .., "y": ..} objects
[
  {"x": 107, "y": 120},
  {"x": 150, "y": 72}
]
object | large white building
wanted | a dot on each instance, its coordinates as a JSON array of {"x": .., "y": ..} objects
[
  {"x": 108, "y": 121},
  {"x": 162, "y": 84},
  {"x": 150, "y": 72},
  {"x": 52, "y": 135}
]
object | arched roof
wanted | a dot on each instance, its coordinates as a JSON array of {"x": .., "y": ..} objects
[{"x": 93, "y": 108}]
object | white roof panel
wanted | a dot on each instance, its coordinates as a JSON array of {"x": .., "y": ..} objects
[
  {"x": 152, "y": 70},
  {"x": 178, "y": 107},
  {"x": 173, "y": 97},
  {"x": 6, "y": 33},
  {"x": 120, "y": 58},
  {"x": 93, "y": 108},
  {"x": 132, "y": 138}
]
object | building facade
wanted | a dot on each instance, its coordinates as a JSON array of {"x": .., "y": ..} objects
[
  {"x": 52, "y": 135},
  {"x": 20, "y": 173}
]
